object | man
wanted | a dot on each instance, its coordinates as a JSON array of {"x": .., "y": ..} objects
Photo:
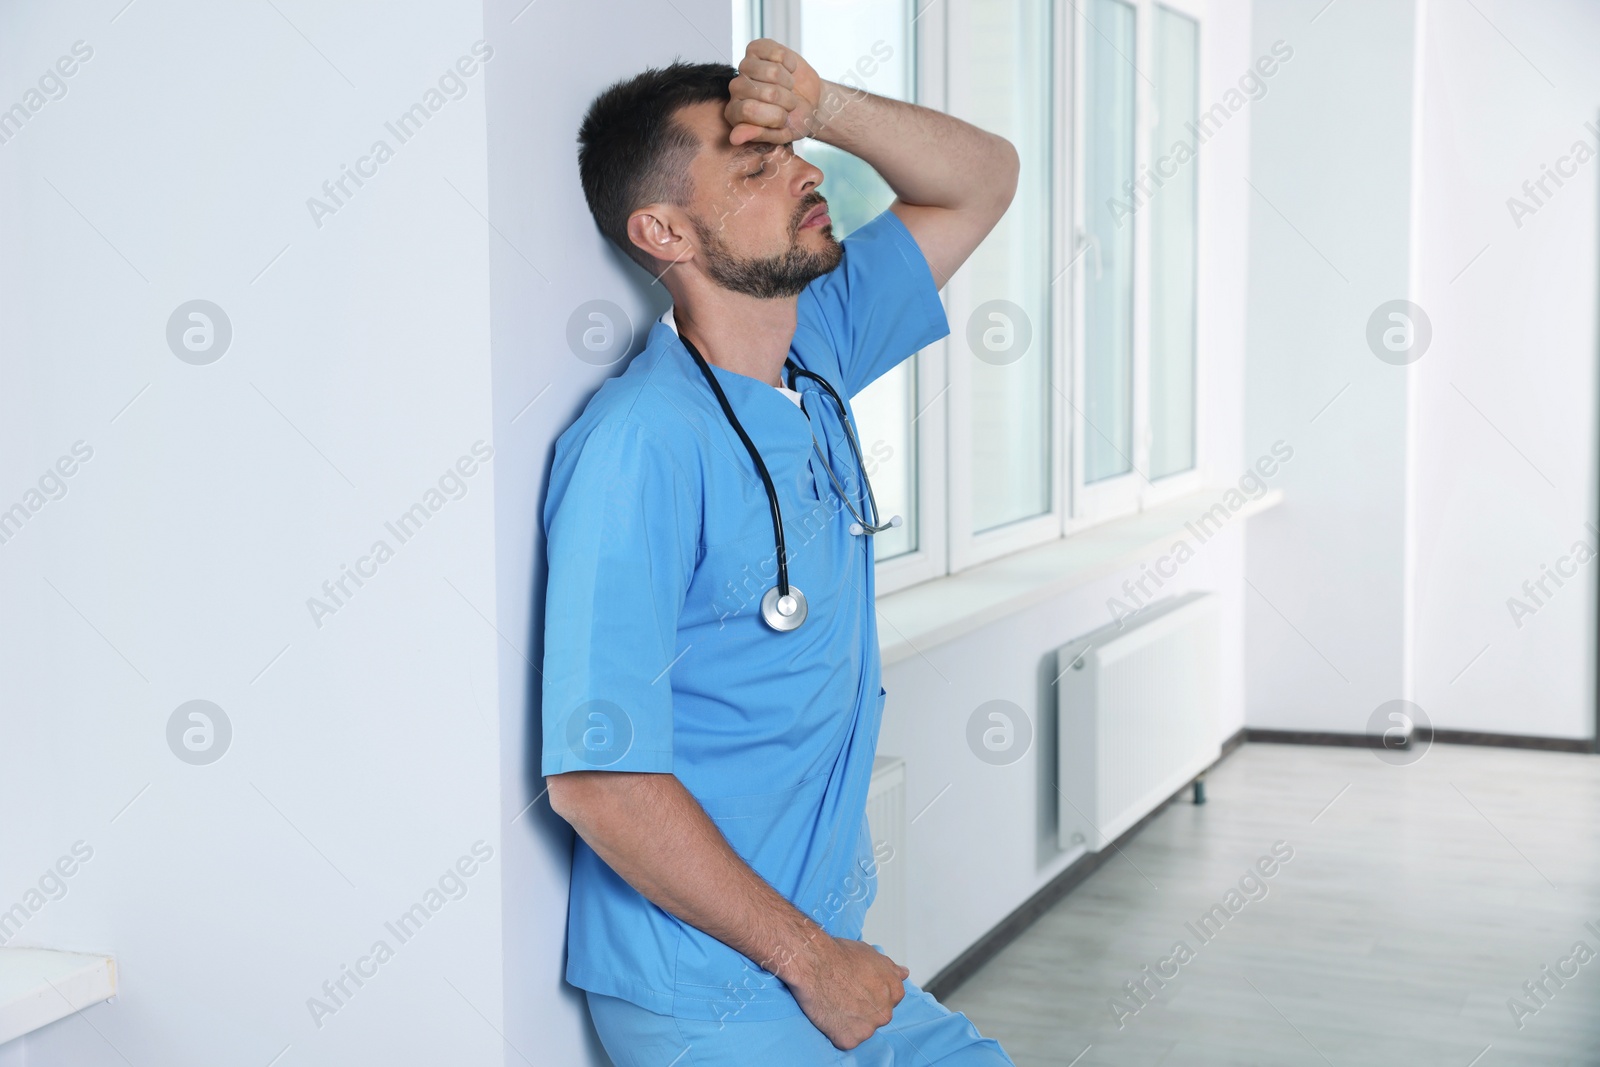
[{"x": 714, "y": 757}]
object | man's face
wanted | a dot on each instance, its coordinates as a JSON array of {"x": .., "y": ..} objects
[{"x": 762, "y": 227}]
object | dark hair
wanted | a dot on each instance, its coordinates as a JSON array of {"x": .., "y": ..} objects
[{"x": 632, "y": 150}]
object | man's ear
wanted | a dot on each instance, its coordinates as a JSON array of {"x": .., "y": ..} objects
[{"x": 653, "y": 230}]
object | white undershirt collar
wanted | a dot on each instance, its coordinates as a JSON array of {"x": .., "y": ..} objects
[{"x": 670, "y": 323}]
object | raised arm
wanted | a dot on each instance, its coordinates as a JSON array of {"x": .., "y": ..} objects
[{"x": 952, "y": 181}]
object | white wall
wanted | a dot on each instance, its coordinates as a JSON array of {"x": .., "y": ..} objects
[
  {"x": 218, "y": 498},
  {"x": 548, "y": 259},
  {"x": 988, "y": 842},
  {"x": 1425, "y": 495},
  {"x": 1331, "y": 168},
  {"x": 1505, "y": 470}
]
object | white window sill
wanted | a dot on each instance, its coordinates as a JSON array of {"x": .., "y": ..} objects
[
  {"x": 39, "y": 986},
  {"x": 912, "y": 620}
]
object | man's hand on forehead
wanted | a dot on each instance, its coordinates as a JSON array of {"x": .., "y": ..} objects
[
  {"x": 774, "y": 98},
  {"x": 952, "y": 181}
]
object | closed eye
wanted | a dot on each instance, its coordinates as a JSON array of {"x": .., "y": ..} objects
[{"x": 768, "y": 154}]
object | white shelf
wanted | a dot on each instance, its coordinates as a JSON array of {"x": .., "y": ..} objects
[
  {"x": 40, "y": 985},
  {"x": 933, "y": 612}
]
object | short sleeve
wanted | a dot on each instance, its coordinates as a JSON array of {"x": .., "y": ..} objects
[
  {"x": 879, "y": 306},
  {"x": 621, "y": 534}
]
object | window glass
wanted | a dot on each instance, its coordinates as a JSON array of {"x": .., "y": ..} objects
[
  {"x": 1008, "y": 336},
  {"x": 1108, "y": 116},
  {"x": 746, "y": 26},
  {"x": 1172, "y": 245}
]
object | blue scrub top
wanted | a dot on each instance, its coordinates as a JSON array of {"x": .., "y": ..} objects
[{"x": 660, "y": 546}]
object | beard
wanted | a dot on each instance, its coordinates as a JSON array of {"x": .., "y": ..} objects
[{"x": 775, "y": 276}]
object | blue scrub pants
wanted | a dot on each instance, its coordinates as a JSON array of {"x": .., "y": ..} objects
[{"x": 922, "y": 1033}]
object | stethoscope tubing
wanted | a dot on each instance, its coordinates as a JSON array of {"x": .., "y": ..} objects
[
  {"x": 855, "y": 450},
  {"x": 755, "y": 456}
]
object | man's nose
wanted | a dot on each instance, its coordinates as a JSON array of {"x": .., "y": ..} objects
[{"x": 807, "y": 176}]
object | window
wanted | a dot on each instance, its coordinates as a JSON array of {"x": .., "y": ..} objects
[
  {"x": 1003, "y": 398},
  {"x": 1137, "y": 231},
  {"x": 1108, "y": 162},
  {"x": 1067, "y": 391},
  {"x": 1173, "y": 246},
  {"x": 866, "y": 44}
]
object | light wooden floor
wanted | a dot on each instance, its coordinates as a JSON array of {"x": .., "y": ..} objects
[{"x": 1419, "y": 899}]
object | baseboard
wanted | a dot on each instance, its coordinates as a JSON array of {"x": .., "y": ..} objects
[
  {"x": 1011, "y": 927},
  {"x": 987, "y": 947},
  {"x": 1447, "y": 737},
  {"x": 1311, "y": 737}
]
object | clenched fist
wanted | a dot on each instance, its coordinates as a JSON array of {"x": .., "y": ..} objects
[
  {"x": 849, "y": 990},
  {"x": 775, "y": 96}
]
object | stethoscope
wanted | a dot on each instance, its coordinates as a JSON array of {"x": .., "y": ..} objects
[{"x": 784, "y": 605}]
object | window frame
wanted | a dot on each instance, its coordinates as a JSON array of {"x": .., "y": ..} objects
[
  {"x": 1130, "y": 493},
  {"x": 931, "y": 391},
  {"x": 968, "y": 547},
  {"x": 1197, "y": 476}
]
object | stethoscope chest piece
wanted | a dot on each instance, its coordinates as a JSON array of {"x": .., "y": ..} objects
[{"x": 784, "y": 612}]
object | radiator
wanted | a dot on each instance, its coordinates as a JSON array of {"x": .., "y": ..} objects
[
  {"x": 1137, "y": 709},
  {"x": 886, "y": 818}
]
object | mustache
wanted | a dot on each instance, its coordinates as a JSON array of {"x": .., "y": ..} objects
[{"x": 807, "y": 202}]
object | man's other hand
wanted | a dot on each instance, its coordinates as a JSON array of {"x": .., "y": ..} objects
[{"x": 849, "y": 990}]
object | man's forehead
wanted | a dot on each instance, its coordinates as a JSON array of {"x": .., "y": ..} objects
[
  {"x": 707, "y": 120},
  {"x": 712, "y": 127}
]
